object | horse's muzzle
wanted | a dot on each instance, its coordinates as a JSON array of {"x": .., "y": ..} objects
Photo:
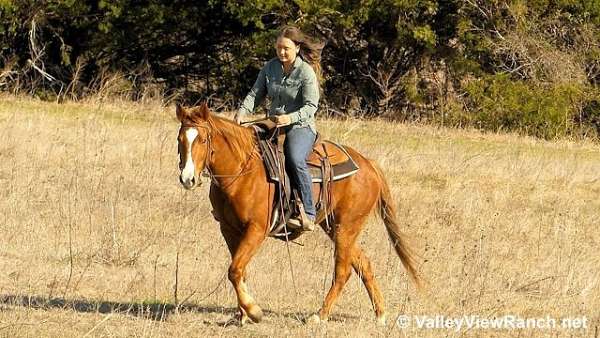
[{"x": 191, "y": 183}]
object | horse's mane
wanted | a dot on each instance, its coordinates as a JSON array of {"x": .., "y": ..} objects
[{"x": 241, "y": 140}]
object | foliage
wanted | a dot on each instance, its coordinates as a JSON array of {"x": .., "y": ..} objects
[
  {"x": 497, "y": 102},
  {"x": 486, "y": 63}
]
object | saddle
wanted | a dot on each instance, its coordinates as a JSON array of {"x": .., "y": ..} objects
[{"x": 327, "y": 163}]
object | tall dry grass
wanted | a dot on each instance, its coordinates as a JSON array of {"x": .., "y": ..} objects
[{"x": 96, "y": 232}]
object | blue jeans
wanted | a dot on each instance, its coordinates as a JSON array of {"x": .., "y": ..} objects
[{"x": 298, "y": 145}]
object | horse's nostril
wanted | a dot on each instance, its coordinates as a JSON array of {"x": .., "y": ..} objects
[
  {"x": 180, "y": 179},
  {"x": 193, "y": 180}
]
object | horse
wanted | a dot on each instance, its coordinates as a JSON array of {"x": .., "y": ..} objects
[{"x": 242, "y": 199}]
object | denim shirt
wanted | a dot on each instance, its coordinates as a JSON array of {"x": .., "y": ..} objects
[{"x": 296, "y": 94}]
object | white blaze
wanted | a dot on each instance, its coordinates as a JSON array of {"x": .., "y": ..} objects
[{"x": 189, "y": 170}]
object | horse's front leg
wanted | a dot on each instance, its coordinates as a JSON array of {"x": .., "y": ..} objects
[{"x": 247, "y": 247}]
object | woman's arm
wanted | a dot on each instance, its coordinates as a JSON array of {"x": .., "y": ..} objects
[{"x": 310, "y": 99}]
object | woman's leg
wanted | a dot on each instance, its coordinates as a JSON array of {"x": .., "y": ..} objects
[{"x": 298, "y": 145}]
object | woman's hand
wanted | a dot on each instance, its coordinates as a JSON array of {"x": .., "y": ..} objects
[
  {"x": 281, "y": 120},
  {"x": 238, "y": 118}
]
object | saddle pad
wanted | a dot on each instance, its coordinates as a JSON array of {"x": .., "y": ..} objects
[{"x": 342, "y": 164}]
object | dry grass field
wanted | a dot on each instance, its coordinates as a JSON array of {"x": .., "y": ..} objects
[{"x": 96, "y": 232}]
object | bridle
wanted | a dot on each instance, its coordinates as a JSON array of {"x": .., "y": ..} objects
[
  {"x": 209, "y": 155},
  {"x": 207, "y": 141}
]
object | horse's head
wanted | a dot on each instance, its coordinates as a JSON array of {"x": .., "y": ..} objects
[{"x": 194, "y": 144}]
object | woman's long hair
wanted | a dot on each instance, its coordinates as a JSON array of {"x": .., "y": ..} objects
[{"x": 310, "y": 48}]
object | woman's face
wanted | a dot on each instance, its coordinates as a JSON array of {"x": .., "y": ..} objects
[{"x": 286, "y": 50}]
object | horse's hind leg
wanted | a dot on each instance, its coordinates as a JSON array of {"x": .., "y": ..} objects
[
  {"x": 344, "y": 241},
  {"x": 362, "y": 266}
]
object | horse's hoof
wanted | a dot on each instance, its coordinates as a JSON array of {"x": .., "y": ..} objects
[
  {"x": 243, "y": 320},
  {"x": 381, "y": 320},
  {"x": 255, "y": 313},
  {"x": 241, "y": 317},
  {"x": 315, "y": 319}
]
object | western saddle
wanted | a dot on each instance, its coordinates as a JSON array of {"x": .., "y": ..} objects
[{"x": 328, "y": 162}]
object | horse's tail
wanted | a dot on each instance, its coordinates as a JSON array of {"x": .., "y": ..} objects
[{"x": 387, "y": 211}]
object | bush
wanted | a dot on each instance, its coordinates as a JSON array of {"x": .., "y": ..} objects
[{"x": 548, "y": 111}]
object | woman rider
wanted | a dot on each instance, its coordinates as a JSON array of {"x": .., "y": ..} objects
[{"x": 291, "y": 80}]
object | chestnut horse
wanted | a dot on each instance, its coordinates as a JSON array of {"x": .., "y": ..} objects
[{"x": 242, "y": 198}]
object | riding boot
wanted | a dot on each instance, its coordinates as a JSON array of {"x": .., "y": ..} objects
[
  {"x": 301, "y": 221},
  {"x": 307, "y": 223}
]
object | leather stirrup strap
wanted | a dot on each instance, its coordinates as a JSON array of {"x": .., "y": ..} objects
[
  {"x": 327, "y": 179},
  {"x": 284, "y": 183}
]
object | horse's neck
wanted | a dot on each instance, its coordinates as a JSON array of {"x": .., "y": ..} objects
[{"x": 233, "y": 159}]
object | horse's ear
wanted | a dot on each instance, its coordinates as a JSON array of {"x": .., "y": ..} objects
[
  {"x": 181, "y": 112},
  {"x": 204, "y": 112},
  {"x": 199, "y": 113}
]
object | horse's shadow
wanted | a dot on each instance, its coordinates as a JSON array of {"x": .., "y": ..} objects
[{"x": 154, "y": 311}]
